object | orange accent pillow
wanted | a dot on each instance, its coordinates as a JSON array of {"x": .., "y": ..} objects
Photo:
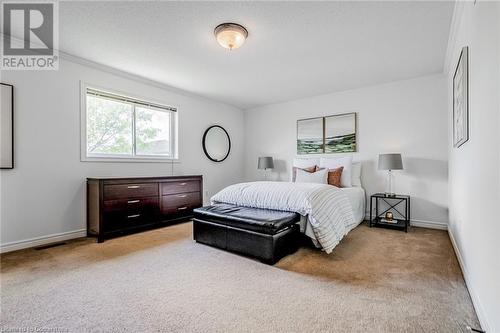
[
  {"x": 310, "y": 169},
  {"x": 334, "y": 176}
]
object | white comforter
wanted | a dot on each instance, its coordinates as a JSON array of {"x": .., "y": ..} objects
[{"x": 328, "y": 210}]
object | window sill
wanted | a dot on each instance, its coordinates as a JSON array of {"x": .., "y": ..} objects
[{"x": 129, "y": 160}]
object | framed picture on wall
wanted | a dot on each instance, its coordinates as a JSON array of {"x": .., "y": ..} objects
[
  {"x": 326, "y": 135},
  {"x": 310, "y": 134},
  {"x": 461, "y": 100},
  {"x": 6, "y": 126},
  {"x": 340, "y": 133}
]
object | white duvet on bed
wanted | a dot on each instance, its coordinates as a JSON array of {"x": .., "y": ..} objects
[
  {"x": 328, "y": 209},
  {"x": 356, "y": 196}
]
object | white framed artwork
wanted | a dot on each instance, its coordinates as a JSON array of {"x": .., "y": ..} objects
[
  {"x": 6, "y": 126},
  {"x": 461, "y": 100}
]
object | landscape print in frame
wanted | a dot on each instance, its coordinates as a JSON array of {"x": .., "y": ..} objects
[
  {"x": 460, "y": 100},
  {"x": 310, "y": 136},
  {"x": 6, "y": 126},
  {"x": 340, "y": 133}
]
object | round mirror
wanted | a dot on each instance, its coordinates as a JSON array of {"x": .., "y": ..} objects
[{"x": 216, "y": 143}]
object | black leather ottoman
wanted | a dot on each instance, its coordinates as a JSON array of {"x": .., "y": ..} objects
[{"x": 268, "y": 235}]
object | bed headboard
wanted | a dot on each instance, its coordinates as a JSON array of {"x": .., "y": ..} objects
[{"x": 352, "y": 168}]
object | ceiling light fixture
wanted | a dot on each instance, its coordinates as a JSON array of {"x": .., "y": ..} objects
[{"x": 230, "y": 35}]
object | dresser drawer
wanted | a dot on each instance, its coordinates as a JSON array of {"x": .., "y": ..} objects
[
  {"x": 131, "y": 205},
  {"x": 130, "y": 191},
  {"x": 178, "y": 203},
  {"x": 180, "y": 187},
  {"x": 124, "y": 213}
]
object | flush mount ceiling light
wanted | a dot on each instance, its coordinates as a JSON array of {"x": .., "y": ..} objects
[{"x": 230, "y": 35}]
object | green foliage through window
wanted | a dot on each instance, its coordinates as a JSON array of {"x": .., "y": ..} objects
[{"x": 117, "y": 128}]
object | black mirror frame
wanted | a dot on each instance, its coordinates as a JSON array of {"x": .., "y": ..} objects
[{"x": 205, "y": 148}]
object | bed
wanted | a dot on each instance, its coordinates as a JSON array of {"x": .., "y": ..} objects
[{"x": 327, "y": 212}]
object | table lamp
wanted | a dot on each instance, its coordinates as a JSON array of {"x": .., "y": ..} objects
[
  {"x": 265, "y": 163},
  {"x": 390, "y": 162}
]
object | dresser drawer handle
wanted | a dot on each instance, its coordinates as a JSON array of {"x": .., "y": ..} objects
[
  {"x": 133, "y": 201},
  {"x": 133, "y": 186},
  {"x": 182, "y": 208},
  {"x": 133, "y": 216},
  {"x": 181, "y": 195},
  {"x": 182, "y": 184}
]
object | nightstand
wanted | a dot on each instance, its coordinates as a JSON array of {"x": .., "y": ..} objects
[{"x": 396, "y": 205}]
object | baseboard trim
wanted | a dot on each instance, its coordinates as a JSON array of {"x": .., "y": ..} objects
[
  {"x": 43, "y": 240},
  {"x": 429, "y": 224},
  {"x": 422, "y": 223},
  {"x": 473, "y": 295}
]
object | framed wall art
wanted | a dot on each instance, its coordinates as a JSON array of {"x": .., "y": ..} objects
[
  {"x": 331, "y": 134},
  {"x": 6, "y": 126},
  {"x": 310, "y": 136},
  {"x": 340, "y": 133},
  {"x": 461, "y": 100}
]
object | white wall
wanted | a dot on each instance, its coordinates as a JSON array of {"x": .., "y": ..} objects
[
  {"x": 474, "y": 168},
  {"x": 406, "y": 116},
  {"x": 44, "y": 194}
]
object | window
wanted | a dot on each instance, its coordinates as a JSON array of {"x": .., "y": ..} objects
[{"x": 119, "y": 127}]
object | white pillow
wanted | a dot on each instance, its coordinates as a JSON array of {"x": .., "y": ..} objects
[
  {"x": 356, "y": 174},
  {"x": 318, "y": 177},
  {"x": 333, "y": 163},
  {"x": 305, "y": 162}
]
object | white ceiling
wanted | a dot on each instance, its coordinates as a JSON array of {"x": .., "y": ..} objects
[{"x": 294, "y": 49}]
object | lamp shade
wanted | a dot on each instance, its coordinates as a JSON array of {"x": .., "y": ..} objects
[
  {"x": 266, "y": 163},
  {"x": 390, "y": 162}
]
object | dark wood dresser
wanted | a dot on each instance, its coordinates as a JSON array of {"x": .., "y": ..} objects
[{"x": 122, "y": 205}]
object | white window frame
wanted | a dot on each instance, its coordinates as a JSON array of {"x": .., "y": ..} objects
[{"x": 85, "y": 157}]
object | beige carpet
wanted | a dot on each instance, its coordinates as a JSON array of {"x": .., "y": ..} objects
[{"x": 376, "y": 280}]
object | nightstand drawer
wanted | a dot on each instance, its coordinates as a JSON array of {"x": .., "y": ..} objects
[{"x": 130, "y": 191}]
